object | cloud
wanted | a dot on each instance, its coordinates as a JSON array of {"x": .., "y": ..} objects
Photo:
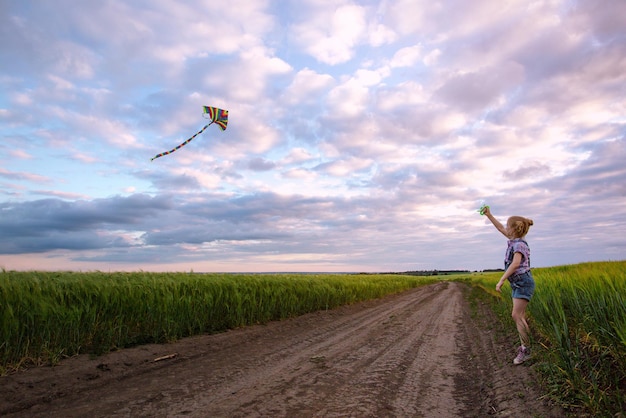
[
  {"x": 24, "y": 176},
  {"x": 345, "y": 167},
  {"x": 260, "y": 164},
  {"x": 361, "y": 136},
  {"x": 306, "y": 86},
  {"x": 480, "y": 90},
  {"x": 331, "y": 34},
  {"x": 406, "y": 57},
  {"x": 51, "y": 224},
  {"x": 60, "y": 194},
  {"x": 240, "y": 83}
]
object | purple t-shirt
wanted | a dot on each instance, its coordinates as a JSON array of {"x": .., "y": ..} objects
[{"x": 517, "y": 245}]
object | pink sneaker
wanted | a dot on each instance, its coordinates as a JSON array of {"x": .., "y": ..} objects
[{"x": 523, "y": 354}]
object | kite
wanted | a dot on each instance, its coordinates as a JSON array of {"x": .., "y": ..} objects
[{"x": 218, "y": 116}]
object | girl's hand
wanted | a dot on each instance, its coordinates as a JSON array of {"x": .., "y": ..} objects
[
  {"x": 499, "y": 287},
  {"x": 486, "y": 211}
]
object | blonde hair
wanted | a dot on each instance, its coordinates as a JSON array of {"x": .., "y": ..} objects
[{"x": 518, "y": 226}]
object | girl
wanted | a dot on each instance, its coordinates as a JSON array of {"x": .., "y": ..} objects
[{"x": 517, "y": 271}]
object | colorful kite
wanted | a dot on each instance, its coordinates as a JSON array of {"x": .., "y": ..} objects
[{"x": 219, "y": 116}]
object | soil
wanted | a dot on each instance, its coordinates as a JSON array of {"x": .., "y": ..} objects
[{"x": 420, "y": 353}]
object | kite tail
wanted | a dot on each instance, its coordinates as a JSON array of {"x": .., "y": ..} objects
[{"x": 181, "y": 145}]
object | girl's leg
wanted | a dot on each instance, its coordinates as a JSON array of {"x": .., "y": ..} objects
[{"x": 519, "y": 316}]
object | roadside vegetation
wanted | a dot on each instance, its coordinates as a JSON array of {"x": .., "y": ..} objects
[
  {"x": 578, "y": 320},
  {"x": 46, "y": 316},
  {"x": 577, "y": 316}
]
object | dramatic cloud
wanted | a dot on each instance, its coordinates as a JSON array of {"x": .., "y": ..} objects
[{"x": 362, "y": 134}]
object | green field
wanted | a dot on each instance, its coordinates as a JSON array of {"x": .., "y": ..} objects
[
  {"x": 46, "y": 316},
  {"x": 578, "y": 316},
  {"x": 578, "y": 320}
]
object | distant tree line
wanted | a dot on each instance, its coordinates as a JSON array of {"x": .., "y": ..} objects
[
  {"x": 434, "y": 272},
  {"x": 445, "y": 272},
  {"x": 438, "y": 272}
]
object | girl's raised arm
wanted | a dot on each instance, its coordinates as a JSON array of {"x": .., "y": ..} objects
[{"x": 496, "y": 223}]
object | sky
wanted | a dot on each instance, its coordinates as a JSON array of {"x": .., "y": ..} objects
[{"x": 362, "y": 135}]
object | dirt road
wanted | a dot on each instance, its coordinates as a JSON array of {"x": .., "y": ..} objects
[{"x": 416, "y": 354}]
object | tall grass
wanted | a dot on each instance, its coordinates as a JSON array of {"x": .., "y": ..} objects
[
  {"x": 47, "y": 316},
  {"x": 581, "y": 315},
  {"x": 578, "y": 320}
]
